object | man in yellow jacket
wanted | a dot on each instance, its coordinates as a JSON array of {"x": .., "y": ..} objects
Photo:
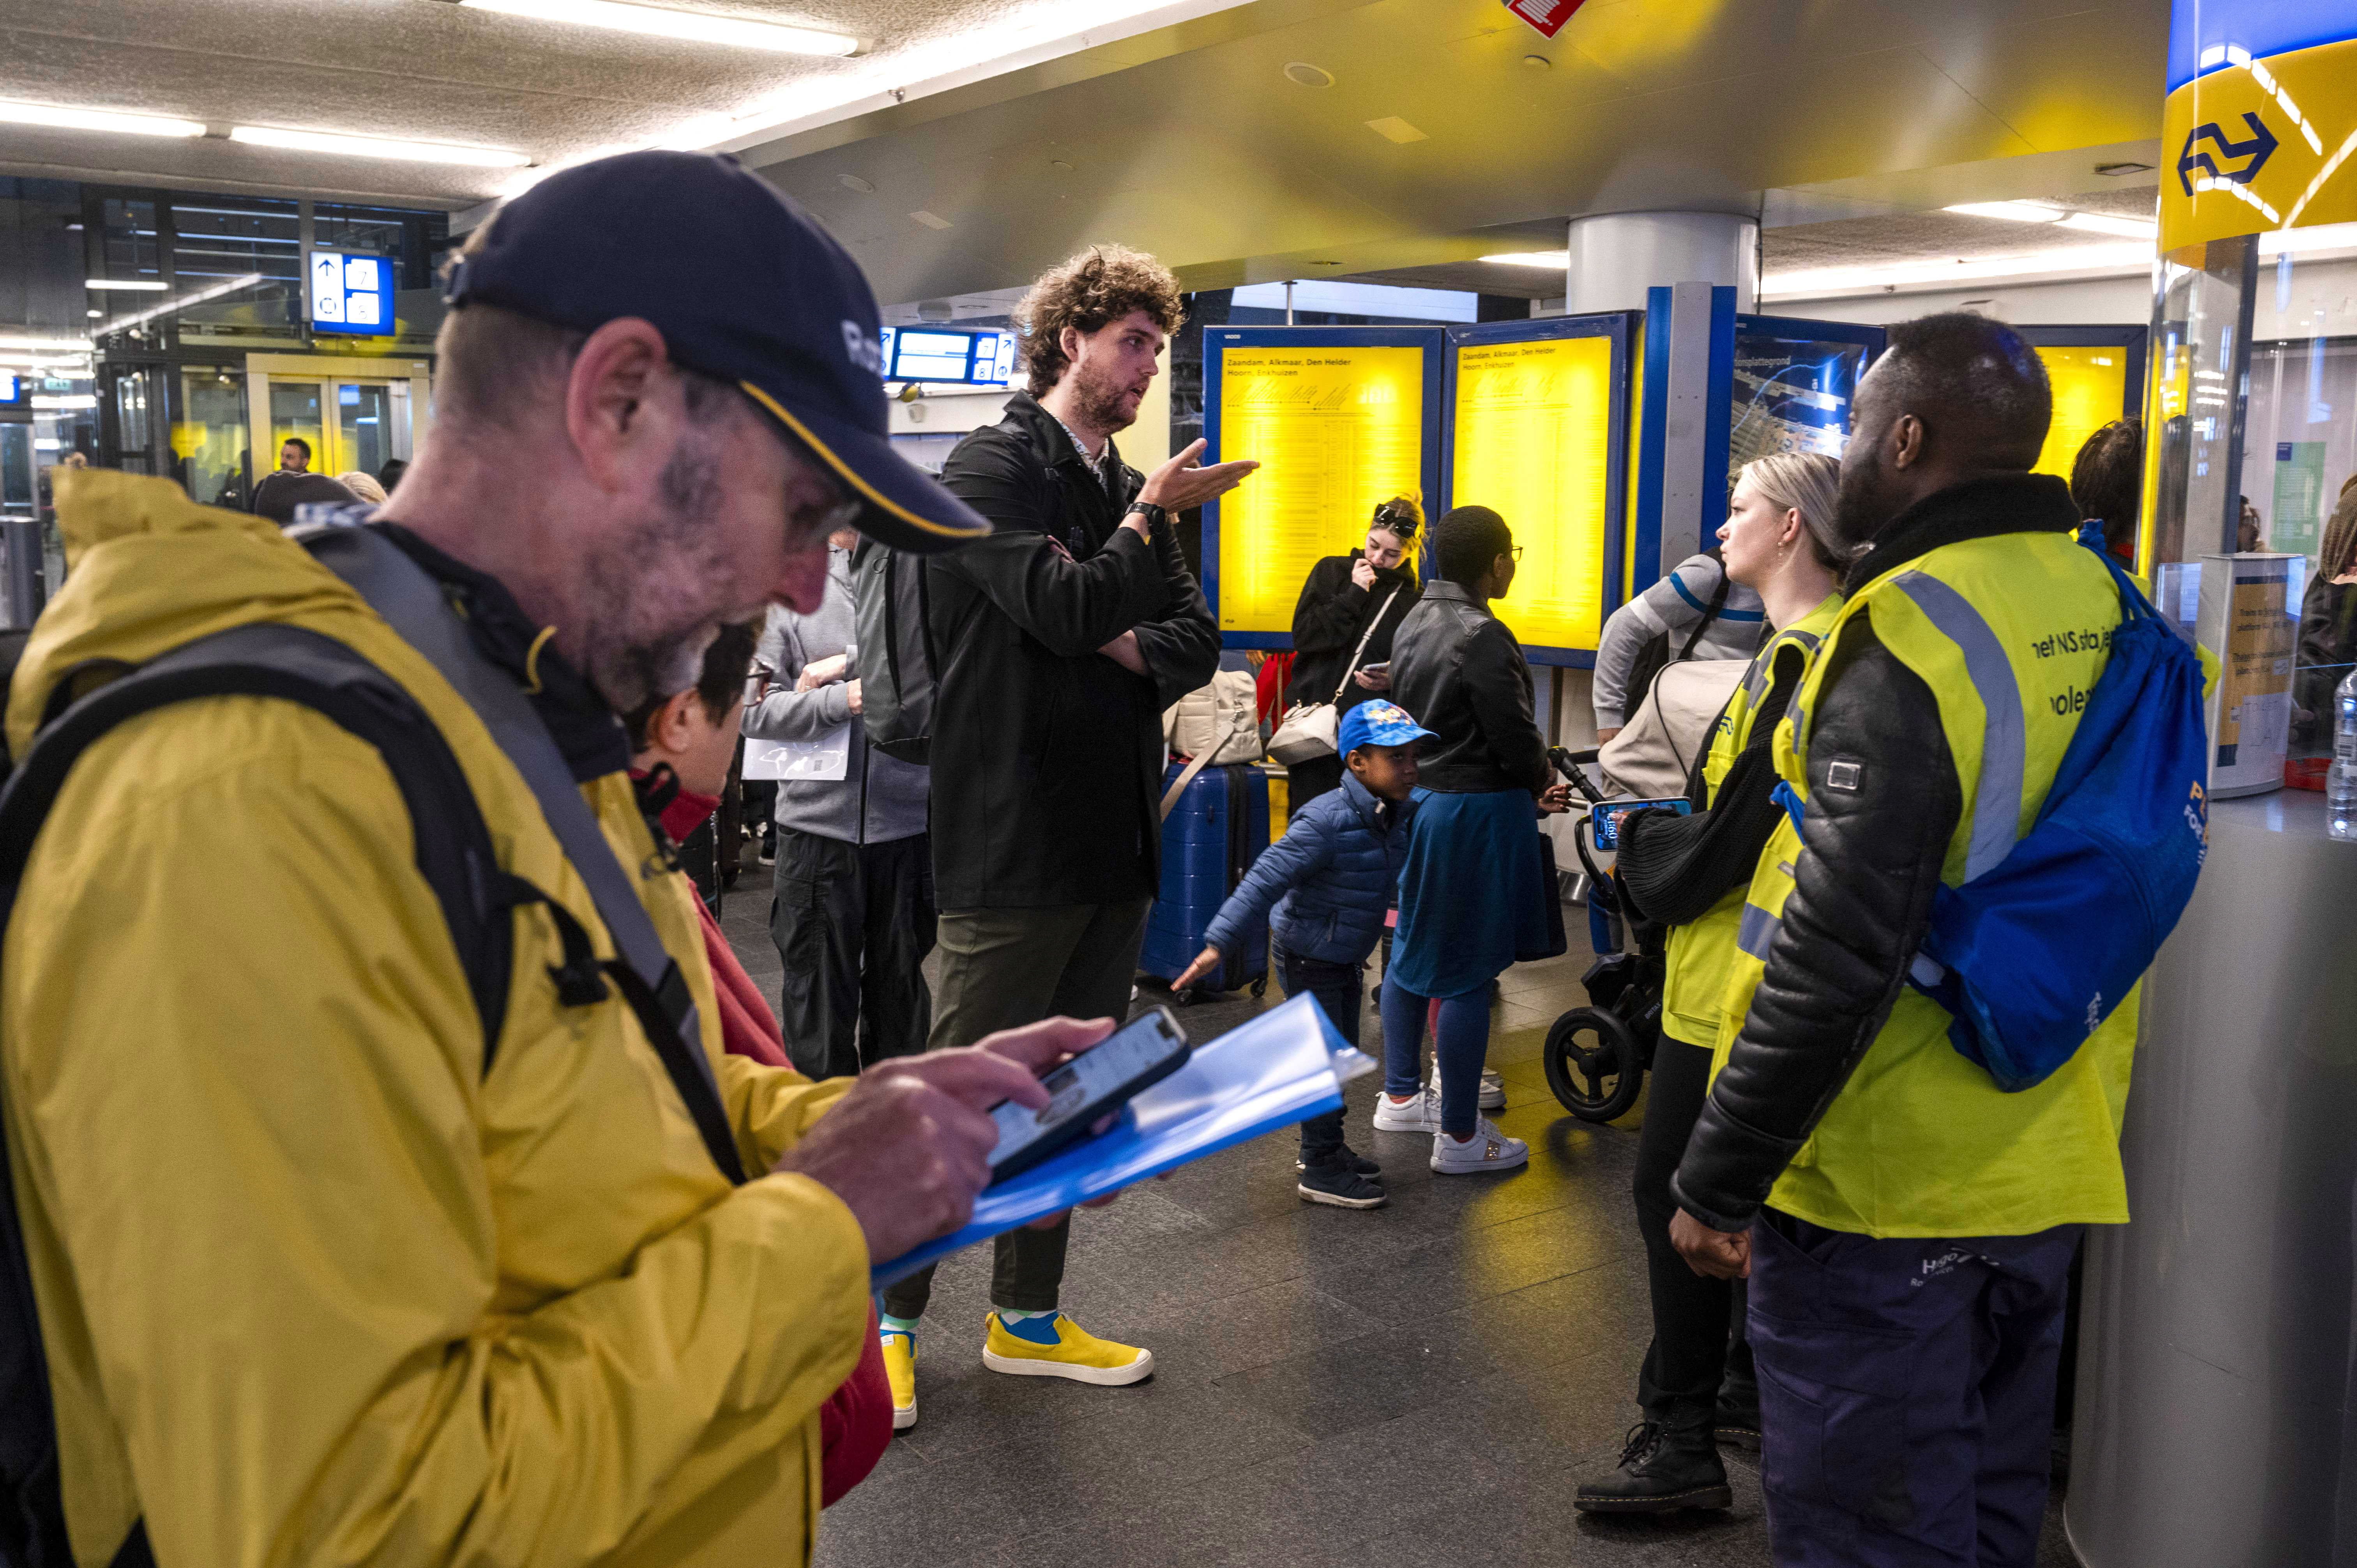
[{"x": 323, "y": 1276}]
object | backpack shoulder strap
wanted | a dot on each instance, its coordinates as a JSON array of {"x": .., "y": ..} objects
[
  {"x": 400, "y": 591},
  {"x": 454, "y": 849},
  {"x": 1709, "y": 616}
]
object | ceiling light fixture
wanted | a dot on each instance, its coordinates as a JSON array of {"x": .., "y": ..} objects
[
  {"x": 97, "y": 120},
  {"x": 48, "y": 345},
  {"x": 178, "y": 302},
  {"x": 1392, "y": 128},
  {"x": 2049, "y": 212},
  {"x": 1556, "y": 260},
  {"x": 75, "y": 400},
  {"x": 378, "y": 147},
  {"x": 931, "y": 219},
  {"x": 141, "y": 285},
  {"x": 688, "y": 26},
  {"x": 1301, "y": 73},
  {"x": 2114, "y": 259}
]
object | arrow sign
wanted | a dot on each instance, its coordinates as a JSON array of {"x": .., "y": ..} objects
[{"x": 2258, "y": 149}]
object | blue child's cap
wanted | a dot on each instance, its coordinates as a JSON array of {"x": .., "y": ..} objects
[{"x": 1376, "y": 723}]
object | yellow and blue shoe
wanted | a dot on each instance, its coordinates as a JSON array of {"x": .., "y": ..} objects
[
  {"x": 1059, "y": 1347},
  {"x": 900, "y": 1372}
]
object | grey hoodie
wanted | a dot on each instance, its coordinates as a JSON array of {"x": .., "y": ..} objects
[{"x": 878, "y": 798}]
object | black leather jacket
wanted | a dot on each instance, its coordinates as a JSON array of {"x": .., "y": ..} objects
[
  {"x": 1868, "y": 868},
  {"x": 1460, "y": 673}
]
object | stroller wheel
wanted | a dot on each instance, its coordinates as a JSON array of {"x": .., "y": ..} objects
[{"x": 1593, "y": 1064}]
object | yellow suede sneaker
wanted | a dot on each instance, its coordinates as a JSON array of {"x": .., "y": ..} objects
[
  {"x": 900, "y": 1372},
  {"x": 1059, "y": 1347}
]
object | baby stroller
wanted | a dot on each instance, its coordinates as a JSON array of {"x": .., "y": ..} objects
[{"x": 1598, "y": 1056}]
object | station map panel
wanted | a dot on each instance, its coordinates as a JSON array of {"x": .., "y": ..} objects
[
  {"x": 1340, "y": 430},
  {"x": 1533, "y": 439}
]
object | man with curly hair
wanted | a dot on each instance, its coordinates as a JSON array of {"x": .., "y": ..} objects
[{"x": 1058, "y": 641}]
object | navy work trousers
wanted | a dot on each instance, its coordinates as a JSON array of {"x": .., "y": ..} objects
[{"x": 1906, "y": 1393}]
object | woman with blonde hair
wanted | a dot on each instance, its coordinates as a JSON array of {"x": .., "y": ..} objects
[
  {"x": 1690, "y": 874},
  {"x": 364, "y": 485}
]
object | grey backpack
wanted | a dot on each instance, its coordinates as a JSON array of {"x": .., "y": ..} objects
[{"x": 896, "y": 650}]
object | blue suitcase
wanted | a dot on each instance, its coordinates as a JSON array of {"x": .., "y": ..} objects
[{"x": 1209, "y": 841}]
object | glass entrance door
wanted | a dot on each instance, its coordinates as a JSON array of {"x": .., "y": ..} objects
[{"x": 350, "y": 422}]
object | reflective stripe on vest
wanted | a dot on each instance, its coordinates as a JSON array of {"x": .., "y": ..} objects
[
  {"x": 1997, "y": 802},
  {"x": 1757, "y": 930}
]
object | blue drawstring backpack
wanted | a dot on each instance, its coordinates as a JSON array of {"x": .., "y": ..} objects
[{"x": 2031, "y": 956}]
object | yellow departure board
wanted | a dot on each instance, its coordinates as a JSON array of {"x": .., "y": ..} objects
[
  {"x": 1336, "y": 431},
  {"x": 1533, "y": 443},
  {"x": 2090, "y": 389}
]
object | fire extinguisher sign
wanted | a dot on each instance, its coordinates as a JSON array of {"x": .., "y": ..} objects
[{"x": 1547, "y": 16}]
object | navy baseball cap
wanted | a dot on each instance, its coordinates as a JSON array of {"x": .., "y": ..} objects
[
  {"x": 1376, "y": 722},
  {"x": 745, "y": 287}
]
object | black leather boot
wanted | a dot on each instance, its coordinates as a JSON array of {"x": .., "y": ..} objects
[
  {"x": 1662, "y": 1469},
  {"x": 1738, "y": 1416}
]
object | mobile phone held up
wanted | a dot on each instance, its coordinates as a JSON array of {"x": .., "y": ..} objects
[
  {"x": 1098, "y": 1082},
  {"x": 1604, "y": 820}
]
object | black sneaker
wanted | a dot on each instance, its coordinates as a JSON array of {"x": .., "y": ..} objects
[
  {"x": 1336, "y": 1182},
  {"x": 1351, "y": 1160},
  {"x": 1662, "y": 1470}
]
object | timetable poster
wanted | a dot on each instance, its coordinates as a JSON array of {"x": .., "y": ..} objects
[
  {"x": 2090, "y": 389},
  {"x": 1336, "y": 432},
  {"x": 1534, "y": 444}
]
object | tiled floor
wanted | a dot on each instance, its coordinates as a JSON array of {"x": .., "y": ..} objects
[{"x": 1358, "y": 1389}]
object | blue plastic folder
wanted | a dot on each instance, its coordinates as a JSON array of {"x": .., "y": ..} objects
[{"x": 1282, "y": 1068}]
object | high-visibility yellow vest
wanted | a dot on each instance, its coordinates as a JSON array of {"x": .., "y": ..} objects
[
  {"x": 2010, "y": 632},
  {"x": 1701, "y": 950}
]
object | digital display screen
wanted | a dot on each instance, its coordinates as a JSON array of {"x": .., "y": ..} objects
[
  {"x": 352, "y": 296},
  {"x": 1605, "y": 821},
  {"x": 941, "y": 354},
  {"x": 1791, "y": 395},
  {"x": 1533, "y": 423},
  {"x": 2091, "y": 389},
  {"x": 1084, "y": 1081},
  {"x": 1341, "y": 431}
]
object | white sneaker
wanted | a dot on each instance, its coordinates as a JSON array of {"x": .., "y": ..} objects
[
  {"x": 1420, "y": 1114},
  {"x": 1493, "y": 1088},
  {"x": 1487, "y": 1150}
]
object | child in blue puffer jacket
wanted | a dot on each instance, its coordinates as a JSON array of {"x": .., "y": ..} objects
[{"x": 1332, "y": 877}]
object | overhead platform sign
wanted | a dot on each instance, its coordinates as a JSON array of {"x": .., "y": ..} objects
[
  {"x": 1341, "y": 420},
  {"x": 2260, "y": 126},
  {"x": 1535, "y": 434},
  {"x": 352, "y": 296}
]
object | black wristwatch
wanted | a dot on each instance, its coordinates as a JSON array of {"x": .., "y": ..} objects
[{"x": 1155, "y": 516}]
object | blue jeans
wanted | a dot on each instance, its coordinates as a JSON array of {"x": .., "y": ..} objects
[
  {"x": 1460, "y": 1045},
  {"x": 1905, "y": 1392},
  {"x": 1335, "y": 986}
]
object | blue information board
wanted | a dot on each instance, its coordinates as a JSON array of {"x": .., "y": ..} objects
[{"x": 352, "y": 296}]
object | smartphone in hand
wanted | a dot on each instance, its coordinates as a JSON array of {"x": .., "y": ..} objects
[
  {"x": 1093, "y": 1084},
  {"x": 1604, "y": 820}
]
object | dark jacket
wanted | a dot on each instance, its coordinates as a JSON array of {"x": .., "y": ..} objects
[
  {"x": 1047, "y": 755},
  {"x": 2328, "y": 645},
  {"x": 1460, "y": 673},
  {"x": 1862, "y": 898},
  {"x": 1331, "y": 878},
  {"x": 1331, "y": 616}
]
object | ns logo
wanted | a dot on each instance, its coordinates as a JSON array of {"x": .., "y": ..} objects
[{"x": 2252, "y": 153}]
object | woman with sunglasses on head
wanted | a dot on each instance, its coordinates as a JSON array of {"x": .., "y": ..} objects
[{"x": 1358, "y": 597}]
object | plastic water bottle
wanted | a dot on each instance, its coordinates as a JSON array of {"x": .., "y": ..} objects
[{"x": 2341, "y": 781}]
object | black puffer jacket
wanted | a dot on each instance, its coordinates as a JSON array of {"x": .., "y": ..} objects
[
  {"x": 1870, "y": 865},
  {"x": 1047, "y": 755},
  {"x": 1458, "y": 669}
]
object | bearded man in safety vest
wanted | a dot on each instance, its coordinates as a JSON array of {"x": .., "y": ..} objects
[{"x": 1907, "y": 1227}]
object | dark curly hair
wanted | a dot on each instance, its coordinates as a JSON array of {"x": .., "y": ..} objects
[
  {"x": 1101, "y": 284},
  {"x": 718, "y": 684}
]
